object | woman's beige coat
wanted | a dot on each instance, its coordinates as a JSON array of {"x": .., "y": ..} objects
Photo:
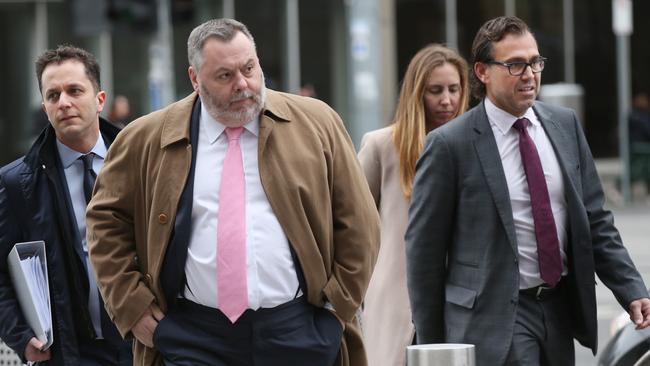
[{"x": 386, "y": 321}]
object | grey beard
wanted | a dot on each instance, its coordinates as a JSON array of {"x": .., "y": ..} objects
[{"x": 238, "y": 117}]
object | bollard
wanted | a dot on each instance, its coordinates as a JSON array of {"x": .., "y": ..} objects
[{"x": 441, "y": 354}]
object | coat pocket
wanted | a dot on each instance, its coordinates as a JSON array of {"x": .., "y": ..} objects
[{"x": 460, "y": 296}]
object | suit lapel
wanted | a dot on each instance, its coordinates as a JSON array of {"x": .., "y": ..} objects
[
  {"x": 274, "y": 112},
  {"x": 488, "y": 155},
  {"x": 172, "y": 273},
  {"x": 63, "y": 202},
  {"x": 268, "y": 180},
  {"x": 266, "y": 126},
  {"x": 561, "y": 146}
]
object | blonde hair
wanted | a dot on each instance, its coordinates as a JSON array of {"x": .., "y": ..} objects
[{"x": 409, "y": 122}]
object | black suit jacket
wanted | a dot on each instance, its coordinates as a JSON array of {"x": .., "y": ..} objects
[{"x": 35, "y": 205}]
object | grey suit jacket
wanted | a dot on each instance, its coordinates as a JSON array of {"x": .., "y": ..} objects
[{"x": 461, "y": 248}]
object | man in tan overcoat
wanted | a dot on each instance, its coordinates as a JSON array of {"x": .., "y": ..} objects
[{"x": 309, "y": 228}]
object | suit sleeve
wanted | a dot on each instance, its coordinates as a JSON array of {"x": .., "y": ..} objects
[
  {"x": 428, "y": 235},
  {"x": 14, "y": 330},
  {"x": 612, "y": 261},
  {"x": 110, "y": 225},
  {"x": 355, "y": 226},
  {"x": 371, "y": 165}
]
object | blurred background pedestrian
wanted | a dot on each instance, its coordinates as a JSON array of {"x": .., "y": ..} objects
[{"x": 119, "y": 113}]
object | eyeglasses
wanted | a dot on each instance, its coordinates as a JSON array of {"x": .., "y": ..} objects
[{"x": 519, "y": 67}]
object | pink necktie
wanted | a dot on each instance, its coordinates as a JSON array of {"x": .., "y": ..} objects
[
  {"x": 548, "y": 245},
  {"x": 231, "y": 232}
]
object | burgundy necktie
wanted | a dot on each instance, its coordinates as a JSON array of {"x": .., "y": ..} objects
[{"x": 548, "y": 246}]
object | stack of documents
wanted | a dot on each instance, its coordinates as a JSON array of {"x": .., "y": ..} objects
[{"x": 28, "y": 268}]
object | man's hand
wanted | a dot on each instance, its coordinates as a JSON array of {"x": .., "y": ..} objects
[
  {"x": 33, "y": 351},
  {"x": 640, "y": 313},
  {"x": 329, "y": 307},
  {"x": 333, "y": 312},
  {"x": 144, "y": 328}
]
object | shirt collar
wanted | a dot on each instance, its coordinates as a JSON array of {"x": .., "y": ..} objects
[
  {"x": 69, "y": 156},
  {"x": 504, "y": 120},
  {"x": 214, "y": 128}
]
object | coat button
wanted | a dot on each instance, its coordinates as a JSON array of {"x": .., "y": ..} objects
[{"x": 162, "y": 218}]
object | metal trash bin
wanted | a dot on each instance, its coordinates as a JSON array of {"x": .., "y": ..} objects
[
  {"x": 441, "y": 354},
  {"x": 565, "y": 95}
]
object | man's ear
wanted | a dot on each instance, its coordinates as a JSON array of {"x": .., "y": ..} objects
[
  {"x": 101, "y": 100},
  {"x": 193, "y": 78},
  {"x": 480, "y": 70}
]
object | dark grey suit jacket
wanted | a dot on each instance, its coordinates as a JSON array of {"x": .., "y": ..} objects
[{"x": 461, "y": 248}]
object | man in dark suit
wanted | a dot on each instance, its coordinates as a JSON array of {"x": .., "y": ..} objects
[
  {"x": 43, "y": 196},
  {"x": 507, "y": 225}
]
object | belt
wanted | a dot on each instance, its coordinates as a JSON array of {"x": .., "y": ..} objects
[{"x": 541, "y": 292}]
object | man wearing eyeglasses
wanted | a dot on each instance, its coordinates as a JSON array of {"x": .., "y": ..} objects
[{"x": 507, "y": 226}]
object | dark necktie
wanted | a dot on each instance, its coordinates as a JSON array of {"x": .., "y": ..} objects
[
  {"x": 89, "y": 175},
  {"x": 93, "y": 293},
  {"x": 548, "y": 246}
]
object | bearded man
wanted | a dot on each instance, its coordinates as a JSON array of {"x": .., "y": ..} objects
[{"x": 234, "y": 227}]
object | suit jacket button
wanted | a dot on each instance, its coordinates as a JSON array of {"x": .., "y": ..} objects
[{"x": 162, "y": 218}]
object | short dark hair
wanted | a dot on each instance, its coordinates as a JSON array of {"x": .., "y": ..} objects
[
  {"x": 492, "y": 31},
  {"x": 64, "y": 53}
]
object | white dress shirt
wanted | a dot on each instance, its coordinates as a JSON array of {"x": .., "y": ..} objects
[
  {"x": 507, "y": 139},
  {"x": 271, "y": 275},
  {"x": 74, "y": 174}
]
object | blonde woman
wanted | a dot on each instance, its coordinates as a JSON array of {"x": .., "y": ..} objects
[{"x": 434, "y": 91}]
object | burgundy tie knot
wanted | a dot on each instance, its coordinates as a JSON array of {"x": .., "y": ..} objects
[
  {"x": 234, "y": 133},
  {"x": 521, "y": 124}
]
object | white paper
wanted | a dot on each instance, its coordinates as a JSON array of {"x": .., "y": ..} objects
[
  {"x": 28, "y": 267},
  {"x": 37, "y": 283}
]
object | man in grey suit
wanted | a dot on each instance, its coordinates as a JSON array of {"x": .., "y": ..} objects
[{"x": 506, "y": 223}]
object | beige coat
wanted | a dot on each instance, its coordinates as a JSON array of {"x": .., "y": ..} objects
[
  {"x": 312, "y": 180},
  {"x": 386, "y": 322}
]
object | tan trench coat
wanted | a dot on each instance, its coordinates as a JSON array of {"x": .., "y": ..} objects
[{"x": 311, "y": 177}]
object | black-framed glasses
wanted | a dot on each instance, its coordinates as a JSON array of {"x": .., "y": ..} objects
[{"x": 517, "y": 68}]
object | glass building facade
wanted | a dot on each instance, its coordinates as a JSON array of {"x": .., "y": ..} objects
[{"x": 337, "y": 41}]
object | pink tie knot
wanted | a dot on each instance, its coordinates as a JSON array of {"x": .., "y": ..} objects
[{"x": 234, "y": 133}]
